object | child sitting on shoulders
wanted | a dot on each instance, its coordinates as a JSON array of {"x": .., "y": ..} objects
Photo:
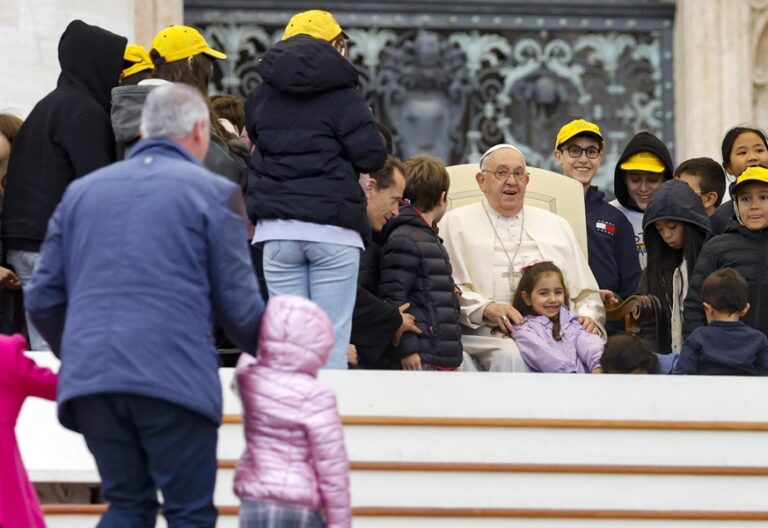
[
  {"x": 551, "y": 338},
  {"x": 726, "y": 346},
  {"x": 294, "y": 470},
  {"x": 631, "y": 354}
]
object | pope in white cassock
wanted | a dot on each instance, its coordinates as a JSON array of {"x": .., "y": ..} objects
[{"x": 489, "y": 241}]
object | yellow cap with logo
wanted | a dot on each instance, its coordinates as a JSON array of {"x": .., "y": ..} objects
[
  {"x": 315, "y": 23},
  {"x": 180, "y": 42},
  {"x": 576, "y": 127},
  {"x": 138, "y": 55},
  {"x": 643, "y": 161}
]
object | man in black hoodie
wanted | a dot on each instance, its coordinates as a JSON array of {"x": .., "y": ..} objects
[{"x": 67, "y": 135}]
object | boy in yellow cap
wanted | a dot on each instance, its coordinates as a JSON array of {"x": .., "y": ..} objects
[
  {"x": 579, "y": 150},
  {"x": 643, "y": 166},
  {"x": 743, "y": 247}
]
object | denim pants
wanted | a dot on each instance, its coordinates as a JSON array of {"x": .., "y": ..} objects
[
  {"x": 24, "y": 264},
  {"x": 324, "y": 273},
  {"x": 142, "y": 445}
]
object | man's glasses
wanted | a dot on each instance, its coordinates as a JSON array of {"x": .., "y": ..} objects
[
  {"x": 503, "y": 173},
  {"x": 576, "y": 151}
]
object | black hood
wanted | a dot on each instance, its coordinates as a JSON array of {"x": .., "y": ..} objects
[
  {"x": 641, "y": 142},
  {"x": 91, "y": 59},
  {"x": 676, "y": 201},
  {"x": 305, "y": 65},
  {"x": 408, "y": 215}
]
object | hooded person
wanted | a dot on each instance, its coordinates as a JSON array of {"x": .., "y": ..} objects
[
  {"x": 675, "y": 227},
  {"x": 67, "y": 135},
  {"x": 295, "y": 464},
  {"x": 643, "y": 166},
  {"x": 313, "y": 134},
  {"x": 179, "y": 54}
]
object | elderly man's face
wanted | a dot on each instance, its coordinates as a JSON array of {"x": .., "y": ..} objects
[{"x": 504, "y": 195}]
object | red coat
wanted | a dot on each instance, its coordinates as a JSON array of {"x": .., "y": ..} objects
[{"x": 19, "y": 378}]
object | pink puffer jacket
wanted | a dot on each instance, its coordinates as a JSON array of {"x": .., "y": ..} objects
[{"x": 295, "y": 451}]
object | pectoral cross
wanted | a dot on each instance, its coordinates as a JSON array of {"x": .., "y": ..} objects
[{"x": 514, "y": 278}]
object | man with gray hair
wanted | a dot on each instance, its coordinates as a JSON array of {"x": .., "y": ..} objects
[
  {"x": 137, "y": 258},
  {"x": 489, "y": 242}
]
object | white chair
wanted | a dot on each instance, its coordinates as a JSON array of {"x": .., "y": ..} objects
[{"x": 546, "y": 189}]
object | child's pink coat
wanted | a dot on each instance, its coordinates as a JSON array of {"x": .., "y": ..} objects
[{"x": 19, "y": 378}]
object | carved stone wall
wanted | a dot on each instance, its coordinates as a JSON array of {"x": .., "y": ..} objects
[{"x": 759, "y": 60}]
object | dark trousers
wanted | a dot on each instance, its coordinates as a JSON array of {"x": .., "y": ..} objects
[{"x": 142, "y": 445}]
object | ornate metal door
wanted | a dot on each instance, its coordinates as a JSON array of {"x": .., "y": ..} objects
[{"x": 452, "y": 78}]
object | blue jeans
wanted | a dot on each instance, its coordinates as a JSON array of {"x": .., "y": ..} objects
[
  {"x": 323, "y": 273},
  {"x": 24, "y": 264},
  {"x": 142, "y": 445}
]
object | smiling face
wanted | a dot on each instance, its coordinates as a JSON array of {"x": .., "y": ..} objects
[
  {"x": 748, "y": 150},
  {"x": 641, "y": 185},
  {"x": 384, "y": 204},
  {"x": 547, "y": 295},
  {"x": 671, "y": 232},
  {"x": 752, "y": 200},
  {"x": 504, "y": 196},
  {"x": 581, "y": 169}
]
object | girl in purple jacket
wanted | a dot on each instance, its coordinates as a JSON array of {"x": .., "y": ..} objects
[
  {"x": 551, "y": 338},
  {"x": 294, "y": 471}
]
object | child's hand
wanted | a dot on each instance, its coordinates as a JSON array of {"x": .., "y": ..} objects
[
  {"x": 598, "y": 370},
  {"x": 588, "y": 323},
  {"x": 412, "y": 362},
  {"x": 352, "y": 354}
]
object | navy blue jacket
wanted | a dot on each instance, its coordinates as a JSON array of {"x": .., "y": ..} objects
[
  {"x": 313, "y": 133},
  {"x": 611, "y": 244},
  {"x": 415, "y": 268},
  {"x": 138, "y": 258},
  {"x": 726, "y": 348}
]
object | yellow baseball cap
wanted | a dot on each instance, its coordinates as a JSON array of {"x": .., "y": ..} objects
[
  {"x": 576, "y": 127},
  {"x": 138, "y": 55},
  {"x": 757, "y": 173},
  {"x": 179, "y": 42},
  {"x": 315, "y": 23},
  {"x": 643, "y": 161}
]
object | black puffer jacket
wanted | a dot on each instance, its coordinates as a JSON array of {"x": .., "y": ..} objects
[
  {"x": 313, "y": 133},
  {"x": 641, "y": 142},
  {"x": 747, "y": 252},
  {"x": 415, "y": 268},
  {"x": 67, "y": 135}
]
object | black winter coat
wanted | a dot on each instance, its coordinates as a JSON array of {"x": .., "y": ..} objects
[
  {"x": 67, "y": 135},
  {"x": 313, "y": 134},
  {"x": 374, "y": 322},
  {"x": 415, "y": 268},
  {"x": 747, "y": 252}
]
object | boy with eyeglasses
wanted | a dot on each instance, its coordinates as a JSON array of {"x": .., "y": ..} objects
[{"x": 610, "y": 237}]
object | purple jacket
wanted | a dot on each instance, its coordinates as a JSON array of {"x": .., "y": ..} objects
[
  {"x": 295, "y": 451},
  {"x": 578, "y": 351}
]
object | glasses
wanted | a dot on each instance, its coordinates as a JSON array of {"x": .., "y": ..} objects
[
  {"x": 504, "y": 173},
  {"x": 576, "y": 152}
]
